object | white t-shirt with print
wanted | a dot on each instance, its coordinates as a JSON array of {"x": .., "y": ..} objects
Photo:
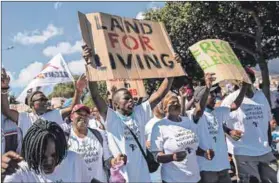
[
  {"x": 171, "y": 137},
  {"x": 252, "y": 117},
  {"x": 92, "y": 152},
  {"x": 25, "y": 120},
  {"x": 71, "y": 169},
  {"x": 149, "y": 126},
  {"x": 211, "y": 136},
  {"x": 121, "y": 141}
]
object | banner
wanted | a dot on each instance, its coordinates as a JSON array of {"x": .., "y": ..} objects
[
  {"x": 214, "y": 55},
  {"x": 54, "y": 72},
  {"x": 136, "y": 87},
  {"x": 127, "y": 48}
]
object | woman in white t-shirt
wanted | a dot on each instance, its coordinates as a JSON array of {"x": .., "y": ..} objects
[
  {"x": 91, "y": 144},
  {"x": 174, "y": 139},
  {"x": 44, "y": 150}
]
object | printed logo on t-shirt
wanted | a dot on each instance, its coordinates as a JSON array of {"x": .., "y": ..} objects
[
  {"x": 127, "y": 134},
  {"x": 185, "y": 138},
  {"x": 253, "y": 113},
  {"x": 133, "y": 146},
  {"x": 88, "y": 152}
]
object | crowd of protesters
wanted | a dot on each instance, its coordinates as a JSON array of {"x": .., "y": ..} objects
[{"x": 202, "y": 135}]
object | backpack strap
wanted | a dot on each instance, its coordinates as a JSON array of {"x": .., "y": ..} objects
[{"x": 97, "y": 135}]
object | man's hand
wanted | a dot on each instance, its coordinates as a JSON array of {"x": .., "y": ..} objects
[
  {"x": 209, "y": 154},
  {"x": 179, "y": 156},
  {"x": 5, "y": 80},
  {"x": 86, "y": 52},
  {"x": 236, "y": 134},
  {"x": 81, "y": 83},
  {"x": 10, "y": 162},
  {"x": 177, "y": 58},
  {"x": 209, "y": 79}
]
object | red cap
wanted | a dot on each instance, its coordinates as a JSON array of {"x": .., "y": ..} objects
[{"x": 81, "y": 107}]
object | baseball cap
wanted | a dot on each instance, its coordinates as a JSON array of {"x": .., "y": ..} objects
[
  {"x": 199, "y": 91},
  {"x": 78, "y": 107}
]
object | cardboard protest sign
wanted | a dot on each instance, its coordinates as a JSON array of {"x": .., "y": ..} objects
[
  {"x": 136, "y": 87},
  {"x": 214, "y": 55},
  {"x": 127, "y": 48}
]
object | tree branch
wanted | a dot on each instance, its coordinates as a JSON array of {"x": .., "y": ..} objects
[
  {"x": 259, "y": 27},
  {"x": 241, "y": 33},
  {"x": 243, "y": 48}
]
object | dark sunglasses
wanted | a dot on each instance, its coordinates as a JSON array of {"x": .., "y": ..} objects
[{"x": 41, "y": 99}]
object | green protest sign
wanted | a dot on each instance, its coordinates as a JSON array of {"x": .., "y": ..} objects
[{"x": 214, "y": 55}]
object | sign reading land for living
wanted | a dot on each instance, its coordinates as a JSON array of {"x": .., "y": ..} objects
[
  {"x": 127, "y": 48},
  {"x": 214, "y": 55},
  {"x": 136, "y": 87}
]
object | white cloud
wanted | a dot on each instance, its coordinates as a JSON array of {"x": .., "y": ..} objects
[
  {"x": 36, "y": 36},
  {"x": 26, "y": 74},
  {"x": 153, "y": 5},
  {"x": 57, "y": 5},
  {"x": 140, "y": 15},
  {"x": 64, "y": 48},
  {"x": 77, "y": 67}
]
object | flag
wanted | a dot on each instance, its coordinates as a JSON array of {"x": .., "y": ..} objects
[{"x": 54, "y": 72}]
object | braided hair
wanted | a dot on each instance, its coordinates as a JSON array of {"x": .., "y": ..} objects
[{"x": 35, "y": 142}]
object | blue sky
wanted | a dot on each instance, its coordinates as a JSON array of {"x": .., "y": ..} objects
[{"x": 39, "y": 30}]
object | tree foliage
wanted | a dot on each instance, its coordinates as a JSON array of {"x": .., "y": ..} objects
[{"x": 250, "y": 27}]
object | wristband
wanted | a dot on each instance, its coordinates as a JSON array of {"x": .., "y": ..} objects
[
  {"x": 4, "y": 92},
  {"x": 5, "y": 88}
]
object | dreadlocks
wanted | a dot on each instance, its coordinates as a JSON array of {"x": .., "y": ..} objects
[{"x": 35, "y": 142}]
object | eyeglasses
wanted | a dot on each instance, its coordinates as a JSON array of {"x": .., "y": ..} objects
[{"x": 41, "y": 99}]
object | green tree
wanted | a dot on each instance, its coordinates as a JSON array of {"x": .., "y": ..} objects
[{"x": 250, "y": 27}]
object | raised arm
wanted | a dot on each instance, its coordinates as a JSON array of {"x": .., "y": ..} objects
[
  {"x": 198, "y": 112},
  {"x": 5, "y": 81},
  {"x": 236, "y": 104},
  {"x": 164, "y": 88},
  {"x": 93, "y": 87},
  {"x": 80, "y": 84}
]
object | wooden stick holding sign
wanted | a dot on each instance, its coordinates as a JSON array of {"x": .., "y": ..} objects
[
  {"x": 216, "y": 56},
  {"x": 128, "y": 48},
  {"x": 136, "y": 87}
]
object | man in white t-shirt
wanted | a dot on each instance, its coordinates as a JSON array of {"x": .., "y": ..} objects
[
  {"x": 252, "y": 153},
  {"x": 127, "y": 116},
  {"x": 38, "y": 103},
  {"x": 44, "y": 149},
  {"x": 91, "y": 144},
  {"x": 211, "y": 137}
]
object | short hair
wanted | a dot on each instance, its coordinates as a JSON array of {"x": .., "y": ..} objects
[
  {"x": 35, "y": 142},
  {"x": 30, "y": 103},
  {"x": 167, "y": 98},
  {"x": 116, "y": 93}
]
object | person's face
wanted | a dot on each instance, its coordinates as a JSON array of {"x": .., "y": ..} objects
[
  {"x": 125, "y": 104},
  {"x": 173, "y": 106},
  {"x": 80, "y": 119},
  {"x": 273, "y": 124},
  {"x": 40, "y": 104},
  {"x": 211, "y": 100},
  {"x": 50, "y": 157},
  {"x": 95, "y": 112}
]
